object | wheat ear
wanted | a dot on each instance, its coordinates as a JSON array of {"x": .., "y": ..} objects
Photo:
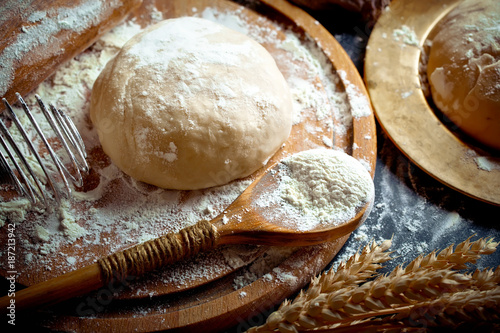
[
  {"x": 424, "y": 282},
  {"x": 357, "y": 269},
  {"x": 453, "y": 310}
]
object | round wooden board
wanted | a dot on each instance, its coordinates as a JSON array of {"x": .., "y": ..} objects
[
  {"x": 392, "y": 78},
  {"x": 215, "y": 305}
]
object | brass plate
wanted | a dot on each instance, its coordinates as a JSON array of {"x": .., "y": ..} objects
[{"x": 392, "y": 78}]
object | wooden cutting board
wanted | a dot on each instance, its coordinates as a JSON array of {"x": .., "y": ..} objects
[{"x": 214, "y": 305}]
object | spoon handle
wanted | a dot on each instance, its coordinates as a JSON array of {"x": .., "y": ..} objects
[
  {"x": 119, "y": 267},
  {"x": 158, "y": 252}
]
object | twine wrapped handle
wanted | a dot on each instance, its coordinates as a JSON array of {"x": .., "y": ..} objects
[{"x": 158, "y": 252}]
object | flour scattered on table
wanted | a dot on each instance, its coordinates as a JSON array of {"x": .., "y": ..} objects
[{"x": 263, "y": 268}]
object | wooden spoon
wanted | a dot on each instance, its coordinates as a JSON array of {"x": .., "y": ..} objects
[{"x": 243, "y": 222}]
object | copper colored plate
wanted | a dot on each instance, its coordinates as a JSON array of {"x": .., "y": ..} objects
[{"x": 392, "y": 78}]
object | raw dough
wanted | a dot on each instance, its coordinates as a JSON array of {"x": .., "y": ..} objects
[
  {"x": 189, "y": 104},
  {"x": 464, "y": 69}
]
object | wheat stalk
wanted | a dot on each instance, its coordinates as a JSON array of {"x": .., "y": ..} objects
[
  {"x": 450, "y": 310},
  {"x": 346, "y": 299},
  {"x": 359, "y": 268},
  {"x": 453, "y": 309}
]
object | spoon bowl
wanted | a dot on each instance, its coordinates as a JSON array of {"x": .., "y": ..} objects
[{"x": 245, "y": 222}]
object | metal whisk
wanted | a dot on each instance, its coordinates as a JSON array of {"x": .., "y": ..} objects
[{"x": 17, "y": 164}]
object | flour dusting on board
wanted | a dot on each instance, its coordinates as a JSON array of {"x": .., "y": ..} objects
[
  {"x": 39, "y": 30},
  {"x": 114, "y": 211}
]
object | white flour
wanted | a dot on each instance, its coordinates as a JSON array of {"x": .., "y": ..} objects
[
  {"x": 317, "y": 187},
  {"x": 39, "y": 32},
  {"x": 190, "y": 42},
  {"x": 360, "y": 105},
  {"x": 406, "y": 35},
  {"x": 483, "y": 162}
]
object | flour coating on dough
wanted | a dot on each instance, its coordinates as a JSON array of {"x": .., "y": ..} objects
[{"x": 189, "y": 104}]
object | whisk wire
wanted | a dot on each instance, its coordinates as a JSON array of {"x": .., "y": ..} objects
[
  {"x": 75, "y": 138},
  {"x": 49, "y": 178},
  {"x": 67, "y": 135},
  {"x": 7, "y": 176},
  {"x": 63, "y": 171},
  {"x": 24, "y": 186}
]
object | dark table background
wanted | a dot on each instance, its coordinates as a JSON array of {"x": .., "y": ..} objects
[{"x": 413, "y": 209}]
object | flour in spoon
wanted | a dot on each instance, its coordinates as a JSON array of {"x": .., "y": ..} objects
[{"x": 318, "y": 186}]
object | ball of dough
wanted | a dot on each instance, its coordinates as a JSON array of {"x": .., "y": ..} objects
[
  {"x": 189, "y": 104},
  {"x": 464, "y": 69}
]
